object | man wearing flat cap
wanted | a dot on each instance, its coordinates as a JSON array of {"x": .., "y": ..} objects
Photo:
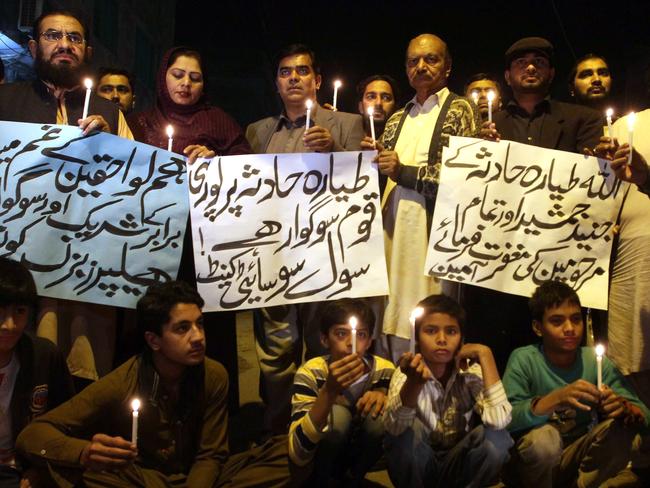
[{"x": 531, "y": 117}]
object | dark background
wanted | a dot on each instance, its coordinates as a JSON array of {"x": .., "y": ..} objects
[{"x": 356, "y": 39}]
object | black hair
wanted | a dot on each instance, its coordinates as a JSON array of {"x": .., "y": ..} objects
[
  {"x": 292, "y": 50},
  {"x": 361, "y": 86},
  {"x": 110, "y": 70},
  {"x": 574, "y": 70},
  {"x": 17, "y": 285},
  {"x": 441, "y": 304},
  {"x": 36, "y": 29},
  {"x": 154, "y": 306},
  {"x": 479, "y": 77},
  {"x": 339, "y": 312},
  {"x": 549, "y": 294}
]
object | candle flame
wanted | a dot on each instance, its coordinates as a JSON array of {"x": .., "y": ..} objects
[
  {"x": 475, "y": 96},
  {"x": 353, "y": 322},
  {"x": 135, "y": 405},
  {"x": 600, "y": 350},
  {"x": 416, "y": 313},
  {"x": 490, "y": 95},
  {"x": 308, "y": 104},
  {"x": 631, "y": 118},
  {"x": 609, "y": 112},
  {"x": 371, "y": 111},
  {"x": 88, "y": 83},
  {"x": 337, "y": 83},
  {"x": 170, "y": 131}
]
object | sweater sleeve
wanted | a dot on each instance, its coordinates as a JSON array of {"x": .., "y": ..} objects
[
  {"x": 517, "y": 383},
  {"x": 303, "y": 434}
]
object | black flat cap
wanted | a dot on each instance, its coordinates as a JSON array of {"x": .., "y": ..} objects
[{"x": 529, "y": 44}]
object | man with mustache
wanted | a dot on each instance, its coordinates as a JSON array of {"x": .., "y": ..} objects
[
  {"x": 118, "y": 86},
  {"x": 409, "y": 154},
  {"x": 379, "y": 92},
  {"x": 60, "y": 48},
  {"x": 530, "y": 117},
  {"x": 279, "y": 330},
  {"x": 590, "y": 82}
]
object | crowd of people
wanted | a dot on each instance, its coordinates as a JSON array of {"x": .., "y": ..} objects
[{"x": 486, "y": 387}]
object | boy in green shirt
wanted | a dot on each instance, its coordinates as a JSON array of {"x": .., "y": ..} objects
[{"x": 567, "y": 431}]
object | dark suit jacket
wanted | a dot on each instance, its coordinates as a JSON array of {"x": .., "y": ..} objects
[
  {"x": 568, "y": 127},
  {"x": 346, "y": 130}
]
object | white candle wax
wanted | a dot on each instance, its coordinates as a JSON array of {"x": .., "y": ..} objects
[
  {"x": 630, "y": 130},
  {"x": 337, "y": 85},
  {"x": 88, "y": 83},
  {"x": 135, "y": 405},
  {"x": 308, "y": 104},
  {"x": 609, "y": 113},
  {"x": 170, "y": 135},
  {"x": 415, "y": 314},
  {"x": 475, "y": 97},
  {"x": 600, "y": 350},
  {"x": 490, "y": 97},
  {"x": 353, "y": 325},
  {"x": 371, "y": 119}
]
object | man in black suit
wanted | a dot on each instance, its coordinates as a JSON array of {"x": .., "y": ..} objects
[{"x": 497, "y": 319}]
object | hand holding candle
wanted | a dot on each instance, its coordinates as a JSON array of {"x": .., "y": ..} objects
[
  {"x": 600, "y": 350},
  {"x": 630, "y": 130},
  {"x": 308, "y": 104},
  {"x": 608, "y": 114},
  {"x": 415, "y": 314},
  {"x": 88, "y": 83},
  {"x": 353, "y": 324},
  {"x": 135, "y": 406},
  {"x": 337, "y": 85},
  {"x": 170, "y": 135},
  {"x": 371, "y": 120},
  {"x": 490, "y": 98}
]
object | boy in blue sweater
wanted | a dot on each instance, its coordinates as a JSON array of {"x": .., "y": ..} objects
[{"x": 567, "y": 431}]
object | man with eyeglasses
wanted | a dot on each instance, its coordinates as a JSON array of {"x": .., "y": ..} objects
[
  {"x": 530, "y": 117},
  {"x": 410, "y": 154},
  {"x": 279, "y": 331},
  {"x": 60, "y": 50}
]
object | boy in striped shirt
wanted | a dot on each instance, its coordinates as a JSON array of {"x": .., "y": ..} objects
[
  {"x": 433, "y": 436},
  {"x": 336, "y": 430}
]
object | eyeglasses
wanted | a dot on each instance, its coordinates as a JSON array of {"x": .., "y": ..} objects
[{"x": 56, "y": 36}]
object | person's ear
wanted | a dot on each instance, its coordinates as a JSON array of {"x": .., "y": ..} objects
[
  {"x": 537, "y": 328},
  {"x": 33, "y": 47},
  {"x": 324, "y": 340},
  {"x": 506, "y": 76},
  {"x": 361, "y": 110},
  {"x": 318, "y": 80},
  {"x": 152, "y": 340}
]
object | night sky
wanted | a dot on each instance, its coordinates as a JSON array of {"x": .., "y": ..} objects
[{"x": 356, "y": 39}]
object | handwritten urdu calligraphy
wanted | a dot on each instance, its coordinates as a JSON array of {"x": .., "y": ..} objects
[
  {"x": 510, "y": 216},
  {"x": 287, "y": 228},
  {"x": 97, "y": 218}
]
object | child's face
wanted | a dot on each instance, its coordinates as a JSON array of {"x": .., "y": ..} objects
[
  {"x": 339, "y": 340},
  {"x": 439, "y": 338},
  {"x": 13, "y": 320},
  {"x": 561, "y": 327}
]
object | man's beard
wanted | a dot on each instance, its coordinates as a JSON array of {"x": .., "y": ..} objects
[{"x": 61, "y": 75}]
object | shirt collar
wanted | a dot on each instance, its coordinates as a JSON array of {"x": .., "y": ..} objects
[
  {"x": 285, "y": 122},
  {"x": 435, "y": 99},
  {"x": 542, "y": 107}
]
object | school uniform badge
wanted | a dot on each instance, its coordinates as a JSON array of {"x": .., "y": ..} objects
[{"x": 39, "y": 400}]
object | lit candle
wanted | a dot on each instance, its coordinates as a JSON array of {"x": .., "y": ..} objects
[
  {"x": 135, "y": 405},
  {"x": 475, "y": 97},
  {"x": 308, "y": 104},
  {"x": 353, "y": 325},
  {"x": 170, "y": 135},
  {"x": 608, "y": 113},
  {"x": 371, "y": 117},
  {"x": 337, "y": 85},
  {"x": 490, "y": 97},
  {"x": 415, "y": 314},
  {"x": 600, "y": 350},
  {"x": 630, "y": 130},
  {"x": 88, "y": 83}
]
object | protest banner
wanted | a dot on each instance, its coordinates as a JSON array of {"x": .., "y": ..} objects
[
  {"x": 97, "y": 218},
  {"x": 274, "y": 229},
  {"x": 510, "y": 216}
]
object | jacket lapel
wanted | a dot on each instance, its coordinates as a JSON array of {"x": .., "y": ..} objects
[{"x": 553, "y": 126}]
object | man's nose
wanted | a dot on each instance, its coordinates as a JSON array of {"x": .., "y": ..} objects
[{"x": 8, "y": 323}]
